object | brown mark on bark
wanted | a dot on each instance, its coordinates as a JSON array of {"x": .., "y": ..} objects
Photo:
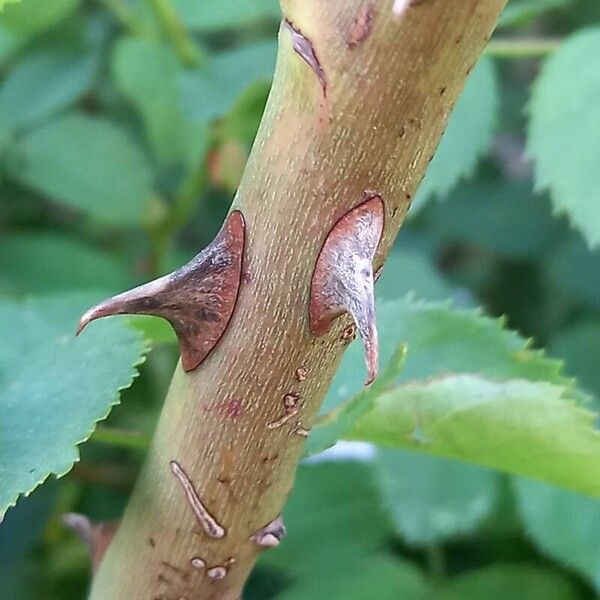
[
  {"x": 304, "y": 48},
  {"x": 97, "y": 536},
  {"x": 301, "y": 373},
  {"x": 198, "y": 299},
  {"x": 270, "y": 535},
  {"x": 208, "y": 523},
  {"x": 343, "y": 277},
  {"x": 362, "y": 26}
]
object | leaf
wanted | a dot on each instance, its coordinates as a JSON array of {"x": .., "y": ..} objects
[
  {"x": 564, "y": 525},
  {"x": 579, "y": 345},
  {"x": 147, "y": 73},
  {"x": 520, "y": 12},
  {"x": 33, "y": 16},
  {"x": 565, "y": 118},
  {"x": 522, "y": 427},
  {"x": 374, "y": 577},
  {"x": 407, "y": 271},
  {"x": 3, "y": 3},
  {"x": 334, "y": 511},
  {"x": 226, "y": 14},
  {"x": 441, "y": 339},
  {"x": 503, "y": 216},
  {"x": 43, "y": 84},
  {"x": 87, "y": 163},
  {"x": 55, "y": 387},
  {"x": 573, "y": 270},
  {"x": 49, "y": 262},
  {"x": 432, "y": 499},
  {"x": 210, "y": 92},
  {"x": 468, "y": 135},
  {"x": 514, "y": 581}
]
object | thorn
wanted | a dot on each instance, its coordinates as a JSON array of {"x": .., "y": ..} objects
[
  {"x": 97, "y": 536},
  {"x": 270, "y": 535},
  {"x": 343, "y": 277},
  {"x": 198, "y": 299}
]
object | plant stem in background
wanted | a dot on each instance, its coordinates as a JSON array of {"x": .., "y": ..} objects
[
  {"x": 360, "y": 98},
  {"x": 176, "y": 32},
  {"x": 521, "y": 48}
]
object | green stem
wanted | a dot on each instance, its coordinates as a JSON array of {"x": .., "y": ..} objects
[
  {"x": 436, "y": 560},
  {"x": 521, "y": 48},
  {"x": 121, "y": 438},
  {"x": 175, "y": 30},
  {"x": 124, "y": 15}
]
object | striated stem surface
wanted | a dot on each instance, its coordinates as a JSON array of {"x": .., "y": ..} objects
[{"x": 361, "y": 95}]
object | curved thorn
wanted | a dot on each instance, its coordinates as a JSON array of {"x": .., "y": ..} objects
[
  {"x": 198, "y": 299},
  {"x": 97, "y": 536},
  {"x": 343, "y": 280}
]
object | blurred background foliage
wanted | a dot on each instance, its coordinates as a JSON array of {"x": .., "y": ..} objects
[{"x": 124, "y": 128}]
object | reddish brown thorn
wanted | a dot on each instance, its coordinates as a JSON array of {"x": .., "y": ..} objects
[
  {"x": 198, "y": 299},
  {"x": 343, "y": 277},
  {"x": 304, "y": 48},
  {"x": 97, "y": 536}
]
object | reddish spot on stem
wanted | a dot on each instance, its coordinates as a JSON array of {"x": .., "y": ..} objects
[
  {"x": 362, "y": 26},
  {"x": 304, "y": 48},
  {"x": 343, "y": 277},
  {"x": 198, "y": 299}
]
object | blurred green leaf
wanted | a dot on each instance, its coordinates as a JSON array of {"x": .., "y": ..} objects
[
  {"x": 3, "y": 3},
  {"x": 43, "y": 84},
  {"x": 372, "y": 577},
  {"x": 504, "y": 216},
  {"x": 468, "y": 135},
  {"x": 432, "y": 499},
  {"x": 574, "y": 270},
  {"x": 579, "y": 345},
  {"x": 514, "y": 581},
  {"x": 32, "y": 16},
  {"x": 335, "y": 512},
  {"x": 55, "y": 387},
  {"x": 523, "y": 427},
  {"x": 147, "y": 74},
  {"x": 565, "y": 128},
  {"x": 520, "y": 12},
  {"x": 88, "y": 163},
  {"x": 226, "y": 14},
  {"x": 564, "y": 525},
  {"x": 211, "y": 91},
  {"x": 407, "y": 271},
  {"x": 38, "y": 262}
]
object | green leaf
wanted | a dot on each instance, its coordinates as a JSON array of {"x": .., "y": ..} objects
[
  {"x": 564, "y": 131},
  {"x": 573, "y": 270},
  {"x": 147, "y": 73},
  {"x": 226, "y": 14},
  {"x": 3, "y": 3},
  {"x": 514, "y": 581},
  {"x": 579, "y": 346},
  {"x": 564, "y": 525},
  {"x": 55, "y": 387},
  {"x": 441, "y": 339},
  {"x": 210, "y": 92},
  {"x": 520, "y": 12},
  {"x": 49, "y": 262},
  {"x": 43, "y": 84},
  {"x": 334, "y": 511},
  {"x": 523, "y": 427},
  {"x": 32, "y": 16},
  {"x": 468, "y": 135},
  {"x": 503, "y": 216},
  {"x": 87, "y": 163},
  {"x": 432, "y": 499},
  {"x": 373, "y": 577},
  {"x": 408, "y": 271}
]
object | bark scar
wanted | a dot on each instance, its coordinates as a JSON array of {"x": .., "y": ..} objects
[
  {"x": 361, "y": 29},
  {"x": 209, "y": 524},
  {"x": 343, "y": 277},
  {"x": 198, "y": 299},
  {"x": 305, "y": 49}
]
